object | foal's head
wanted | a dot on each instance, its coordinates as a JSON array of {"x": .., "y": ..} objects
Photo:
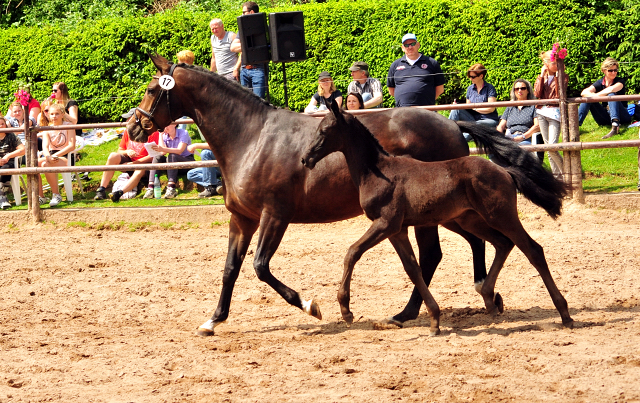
[{"x": 329, "y": 136}]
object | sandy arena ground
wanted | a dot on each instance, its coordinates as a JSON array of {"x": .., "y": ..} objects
[{"x": 91, "y": 315}]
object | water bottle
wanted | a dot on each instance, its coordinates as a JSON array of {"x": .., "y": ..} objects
[{"x": 157, "y": 189}]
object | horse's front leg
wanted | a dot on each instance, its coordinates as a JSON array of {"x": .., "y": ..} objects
[
  {"x": 400, "y": 242},
  {"x": 241, "y": 230},
  {"x": 272, "y": 230},
  {"x": 378, "y": 232}
]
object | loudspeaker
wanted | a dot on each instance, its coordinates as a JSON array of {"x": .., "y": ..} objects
[
  {"x": 252, "y": 31},
  {"x": 287, "y": 36}
]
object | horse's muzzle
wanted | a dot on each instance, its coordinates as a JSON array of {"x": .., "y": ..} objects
[{"x": 309, "y": 162}]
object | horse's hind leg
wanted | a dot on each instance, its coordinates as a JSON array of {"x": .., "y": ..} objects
[
  {"x": 379, "y": 231},
  {"x": 272, "y": 230},
  {"x": 477, "y": 250},
  {"x": 400, "y": 242},
  {"x": 241, "y": 230}
]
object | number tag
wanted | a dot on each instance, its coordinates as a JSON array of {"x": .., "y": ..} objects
[{"x": 166, "y": 82}]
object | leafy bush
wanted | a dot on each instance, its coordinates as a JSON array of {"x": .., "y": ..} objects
[{"x": 105, "y": 63}]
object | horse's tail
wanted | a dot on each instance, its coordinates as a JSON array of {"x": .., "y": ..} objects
[{"x": 531, "y": 179}]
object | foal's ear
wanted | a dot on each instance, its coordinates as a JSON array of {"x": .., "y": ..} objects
[
  {"x": 162, "y": 64},
  {"x": 335, "y": 109}
]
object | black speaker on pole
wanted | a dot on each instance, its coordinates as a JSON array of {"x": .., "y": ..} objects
[
  {"x": 252, "y": 31},
  {"x": 287, "y": 36}
]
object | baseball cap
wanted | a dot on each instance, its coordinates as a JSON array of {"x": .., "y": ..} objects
[
  {"x": 324, "y": 74},
  {"x": 406, "y": 37},
  {"x": 127, "y": 116},
  {"x": 357, "y": 66}
]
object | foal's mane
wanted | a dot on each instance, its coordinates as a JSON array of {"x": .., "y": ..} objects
[
  {"x": 228, "y": 87},
  {"x": 363, "y": 131}
]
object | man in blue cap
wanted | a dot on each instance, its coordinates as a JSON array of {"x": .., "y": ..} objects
[{"x": 415, "y": 79}]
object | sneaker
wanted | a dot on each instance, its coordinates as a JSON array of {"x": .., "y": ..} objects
[
  {"x": 148, "y": 194},
  {"x": 4, "y": 203},
  {"x": 43, "y": 200},
  {"x": 55, "y": 200},
  {"x": 101, "y": 194},
  {"x": 209, "y": 191},
  {"x": 115, "y": 196},
  {"x": 170, "y": 193},
  {"x": 85, "y": 176}
]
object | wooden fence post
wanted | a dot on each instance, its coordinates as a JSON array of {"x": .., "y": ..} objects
[{"x": 33, "y": 187}]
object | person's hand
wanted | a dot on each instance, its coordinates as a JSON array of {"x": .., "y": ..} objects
[
  {"x": 51, "y": 158},
  {"x": 518, "y": 138},
  {"x": 3, "y": 160},
  {"x": 131, "y": 153},
  {"x": 236, "y": 74},
  {"x": 543, "y": 70},
  {"x": 191, "y": 148}
]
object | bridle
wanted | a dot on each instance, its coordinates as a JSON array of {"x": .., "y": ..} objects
[{"x": 149, "y": 115}]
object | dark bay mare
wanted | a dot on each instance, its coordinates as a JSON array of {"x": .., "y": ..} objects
[
  {"x": 398, "y": 192},
  {"x": 259, "y": 147}
]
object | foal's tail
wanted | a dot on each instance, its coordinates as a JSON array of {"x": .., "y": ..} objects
[{"x": 531, "y": 179}]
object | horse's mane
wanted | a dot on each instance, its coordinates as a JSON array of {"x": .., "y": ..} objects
[
  {"x": 228, "y": 85},
  {"x": 355, "y": 123}
]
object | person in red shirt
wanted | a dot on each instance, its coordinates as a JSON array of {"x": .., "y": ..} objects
[{"x": 129, "y": 152}]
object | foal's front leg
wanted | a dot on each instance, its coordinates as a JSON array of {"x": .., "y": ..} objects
[
  {"x": 400, "y": 242},
  {"x": 378, "y": 232}
]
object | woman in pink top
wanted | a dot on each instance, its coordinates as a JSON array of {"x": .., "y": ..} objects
[{"x": 56, "y": 144}]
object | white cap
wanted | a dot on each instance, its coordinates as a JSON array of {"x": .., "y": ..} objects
[{"x": 409, "y": 36}]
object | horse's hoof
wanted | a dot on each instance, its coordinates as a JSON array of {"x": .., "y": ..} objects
[
  {"x": 203, "y": 332},
  {"x": 312, "y": 308},
  {"x": 499, "y": 303},
  {"x": 434, "y": 332},
  {"x": 392, "y": 321},
  {"x": 478, "y": 286},
  {"x": 493, "y": 312},
  {"x": 568, "y": 323}
]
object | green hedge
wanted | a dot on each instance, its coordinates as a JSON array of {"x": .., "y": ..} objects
[{"x": 106, "y": 67}]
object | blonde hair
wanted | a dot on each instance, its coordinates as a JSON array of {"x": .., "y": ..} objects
[
  {"x": 546, "y": 56},
  {"x": 60, "y": 109},
  {"x": 186, "y": 56},
  {"x": 331, "y": 89},
  {"x": 608, "y": 63},
  {"x": 43, "y": 119}
]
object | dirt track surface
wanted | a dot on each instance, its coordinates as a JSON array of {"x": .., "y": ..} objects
[{"x": 110, "y": 316}]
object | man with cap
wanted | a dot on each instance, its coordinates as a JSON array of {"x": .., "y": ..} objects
[
  {"x": 362, "y": 84},
  {"x": 415, "y": 79},
  {"x": 129, "y": 152}
]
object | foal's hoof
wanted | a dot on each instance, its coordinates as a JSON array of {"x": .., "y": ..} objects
[
  {"x": 499, "y": 303},
  {"x": 568, "y": 323},
  {"x": 205, "y": 332},
  {"x": 348, "y": 317},
  {"x": 434, "y": 332},
  {"x": 391, "y": 320}
]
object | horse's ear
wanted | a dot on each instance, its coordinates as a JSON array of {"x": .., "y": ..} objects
[{"x": 162, "y": 64}]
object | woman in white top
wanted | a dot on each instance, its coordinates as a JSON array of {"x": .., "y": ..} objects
[{"x": 56, "y": 144}]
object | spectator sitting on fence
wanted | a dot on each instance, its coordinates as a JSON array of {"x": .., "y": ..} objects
[
  {"x": 56, "y": 144},
  {"x": 207, "y": 177},
  {"x": 10, "y": 147},
  {"x": 327, "y": 94},
  {"x": 478, "y": 92},
  {"x": 610, "y": 84},
  {"x": 520, "y": 123},
  {"x": 354, "y": 101},
  {"x": 173, "y": 143},
  {"x": 546, "y": 87},
  {"x": 362, "y": 84},
  {"x": 129, "y": 153}
]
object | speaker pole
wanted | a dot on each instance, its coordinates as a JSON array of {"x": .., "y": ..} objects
[{"x": 284, "y": 80}]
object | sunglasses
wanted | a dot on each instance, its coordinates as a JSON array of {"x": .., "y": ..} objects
[
  {"x": 55, "y": 90},
  {"x": 520, "y": 89},
  {"x": 410, "y": 45},
  {"x": 472, "y": 77},
  {"x": 613, "y": 71}
]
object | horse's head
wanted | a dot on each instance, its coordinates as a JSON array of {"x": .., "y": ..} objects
[
  {"x": 328, "y": 136},
  {"x": 158, "y": 107}
]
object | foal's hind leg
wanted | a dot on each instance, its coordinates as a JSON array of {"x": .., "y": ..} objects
[{"x": 400, "y": 242}]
